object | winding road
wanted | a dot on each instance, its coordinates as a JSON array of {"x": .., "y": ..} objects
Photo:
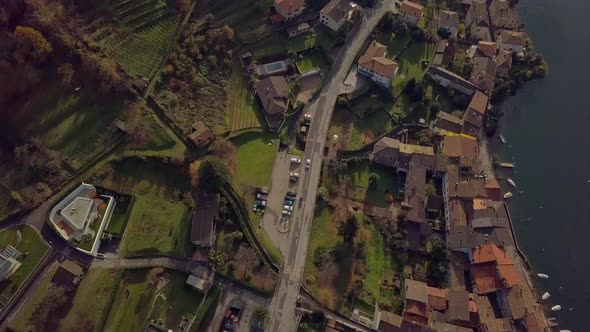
[{"x": 282, "y": 309}]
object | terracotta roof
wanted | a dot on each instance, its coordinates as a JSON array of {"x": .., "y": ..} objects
[
  {"x": 513, "y": 37},
  {"x": 437, "y": 298},
  {"x": 466, "y": 149},
  {"x": 289, "y": 6},
  {"x": 447, "y": 18},
  {"x": 415, "y": 290},
  {"x": 478, "y": 13},
  {"x": 504, "y": 59},
  {"x": 484, "y": 73},
  {"x": 415, "y": 311},
  {"x": 457, "y": 214},
  {"x": 390, "y": 322},
  {"x": 336, "y": 9},
  {"x": 486, "y": 278},
  {"x": 510, "y": 275},
  {"x": 487, "y": 48},
  {"x": 448, "y": 122},
  {"x": 499, "y": 325},
  {"x": 273, "y": 93},
  {"x": 458, "y": 305},
  {"x": 411, "y": 8},
  {"x": 374, "y": 59},
  {"x": 491, "y": 253}
]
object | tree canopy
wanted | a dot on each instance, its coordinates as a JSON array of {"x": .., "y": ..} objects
[
  {"x": 213, "y": 173},
  {"x": 31, "y": 44}
]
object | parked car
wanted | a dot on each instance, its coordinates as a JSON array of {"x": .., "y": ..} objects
[
  {"x": 286, "y": 213},
  {"x": 294, "y": 176},
  {"x": 289, "y": 198},
  {"x": 291, "y": 193},
  {"x": 295, "y": 160},
  {"x": 287, "y": 207},
  {"x": 307, "y": 163},
  {"x": 288, "y": 202},
  {"x": 300, "y": 201}
]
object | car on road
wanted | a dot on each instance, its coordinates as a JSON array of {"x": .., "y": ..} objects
[
  {"x": 291, "y": 193},
  {"x": 294, "y": 176},
  {"x": 295, "y": 160},
  {"x": 287, "y": 208},
  {"x": 307, "y": 163},
  {"x": 300, "y": 201}
]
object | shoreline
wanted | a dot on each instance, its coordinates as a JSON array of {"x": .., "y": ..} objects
[{"x": 487, "y": 167}]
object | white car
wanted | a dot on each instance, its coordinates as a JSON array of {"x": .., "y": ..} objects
[
  {"x": 307, "y": 163},
  {"x": 294, "y": 174},
  {"x": 287, "y": 208},
  {"x": 295, "y": 160}
]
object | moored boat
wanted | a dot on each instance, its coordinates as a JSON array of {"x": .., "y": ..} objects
[
  {"x": 502, "y": 139},
  {"x": 507, "y": 195},
  {"x": 545, "y": 296},
  {"x": 507, "y": 165},
  {"x": 542, "y": 276},
  {"x": 511, "y": 182},
  {"x": 556, "y": 308}
]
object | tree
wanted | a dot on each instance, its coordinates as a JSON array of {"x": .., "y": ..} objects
[
  {"x": 193, "y": 173},
  {"x": 349, "y": 228},
  {"x": 66, "y": 71},
  {"x": 323, "y": 193},
  {"x": 31, "y": 44},
  {"x": 108, "y": 73},
  {"x": 260, "y": 314},
  {"x": 213, "y": 173},
  {"x": 183, "y": 6},
  {"x": 225, "y": 150},
  {"x": 138, "y": 129},
  {"x": 320, "y": 257},
  {"x": 430, "y": 188},
  {"x": 373, "y": 180},
  {"x": 461, "y": 30}
]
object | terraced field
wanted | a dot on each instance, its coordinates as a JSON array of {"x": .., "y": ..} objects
[{"x": 148, "y": 32}]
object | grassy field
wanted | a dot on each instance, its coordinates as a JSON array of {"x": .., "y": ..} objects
[
  {"x": 75, "y": 125},
  {"x": 136, "y": 300},
  {"x": 380, "y": 266},
  {"x": 409, "y": 63},
  {"x": 357, "y": 175},
  {"x": 158, "y": 221},
  {"x": 149, "y": 29},
  {"x": 30, "y": 243},
  {"x": 271, "y": 46},
  {"x": 311, "y": 59},
  {"x": 31, "y": 317},
  {"x": 394, "y": 43},
  {"x": 161, "y": 141},
  {"x": 120, "y": 214},
  {"x": 98, "y": 285},
  {"x": 247, "y": 17},
  {"x": 255, "y": 157},
  {"x": 328, "y": 283},
  {"x": 242, "y": 107},
  {"x": 305, "y": 41},
  {"x": 368, "y": 128}
]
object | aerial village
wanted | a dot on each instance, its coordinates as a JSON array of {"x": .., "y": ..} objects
[{"x": 326, "y": 171}]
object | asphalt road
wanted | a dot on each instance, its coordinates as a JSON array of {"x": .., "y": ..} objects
[{"x": 282, "y": 309}]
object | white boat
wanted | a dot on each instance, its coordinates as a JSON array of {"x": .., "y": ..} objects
[
  {"x": 556, "y": 308},
  {"x": 507, "y": 195},
  {"x": 565, "y": 330},
  {"x": 542, "y": 276},
  {"x": 545, "y": 296},
  {"x": 502, "y": 139},
  {"x": 511, "y": 182}
]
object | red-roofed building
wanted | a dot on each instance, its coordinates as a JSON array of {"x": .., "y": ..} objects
[
  {"x": 492, "y": 269},
  {"x": 410, "y": 12},
  {"x": 289, "y": 9}
]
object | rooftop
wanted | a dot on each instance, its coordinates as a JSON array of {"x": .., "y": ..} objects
[
  {"x": 411, "y": 8},
  {"x": 78, "y": 212}
]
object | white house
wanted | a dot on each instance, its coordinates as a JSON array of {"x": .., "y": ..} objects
[
  {"x": 289, "y": 9},
  {"x": 376, "y": 66},
  {"x": 449, "y": 21},
  {"x": 512, "y": 41},
  {"x": 335, "y": 14},
  {"x": 410, "y": 12}
]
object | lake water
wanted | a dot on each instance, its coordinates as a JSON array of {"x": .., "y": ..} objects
[{"x": 547, "y": 125}]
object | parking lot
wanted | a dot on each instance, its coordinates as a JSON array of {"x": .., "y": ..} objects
[{"x": 276, "y": 222}]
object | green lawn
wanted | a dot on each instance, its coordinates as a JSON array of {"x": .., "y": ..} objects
[
  {"x": 268, "y": 47},
  {"x": 380, "y": 266},
  {"x": 157, "y": 226},
  {"x": 100, "y": 286},
  {"x": 369, "y": 128},
  {"x": 29, "y": 317},
  {"x": 135, "y": 301},
  {"x": 305, "y": 41},
  {"x": 311, "y": 59},
  {"x": 120, "y": 214},
  {"x": 255, "y": 157},
  {"x": 394, "y": 43},
  {"x": 33, "y": 249},
  {"x": 158, "y": 220},
  {"x": 243, "y": 109},
  {"x": 357, "y": 175},
  {"x": 323, "y": 234},
  {"x": 75, "y": 125},
  {"x": 409, "y": 63}
]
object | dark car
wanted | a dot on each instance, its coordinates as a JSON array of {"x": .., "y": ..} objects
[
  {"x": 300, "y": 201},
  {"x": 292, "y": 194}
]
